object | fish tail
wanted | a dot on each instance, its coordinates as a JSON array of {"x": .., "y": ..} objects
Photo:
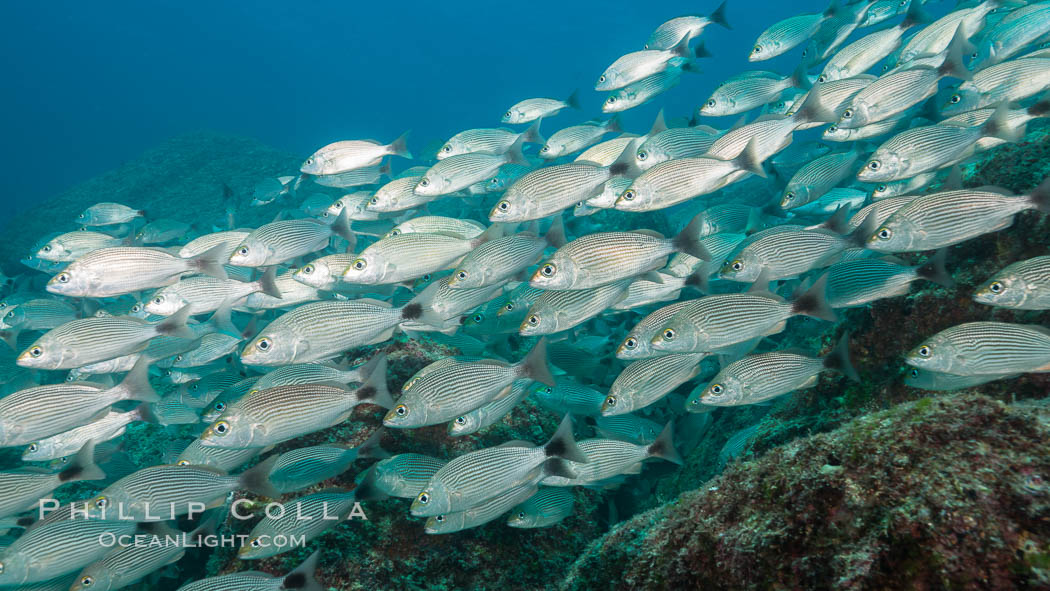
[
  {"x": 341, "y": 228},
  {"x": 10, "y": 336},
  {"x": 222, "y": 321},
  {"x": 375, "y": 391},
  {"x": 800, "y": 77},
  {"x": 303, "y": 577},
  {"x": 534, "y": 366},
  {"x": 563, "y": 445},
  {"x": 663, "y": 447},
  {"x": 689, "y": 240},
  {"x": 135, "y": 385},
  {"x": 1041, "y": 108},
  {"x": 934, "y": 270},
  {"x": 998, "y": 125},
  {"x": 373, "y": 365},
  {"x": 268, "y": 283},
  {"x": 493, "y": 232},
  {"x": 814, "y": 302},
  {"x": 144, "y": 413},
  {"x": 366, "y": 489},
  {"x": 514, "y": 154},
  {"x": 838, "y": 359},
  {"x": 953, "y": 62},
  {"x": 558, "y": 467},
  {"x": 257, "y": 479},
  {"x": 532, "y": 134},
  {"x": 399, "y": 147},
  {"x": 625, "y": 164},
  {"x": 83, "y": 467},
  {"x": 371, "y": 448},
  {"x": 699, "y": 52},
  {"x": 719, "y": 16},
  {"x": 175, "y": 325},
  {"x": 613, "y": 125},
  {"x": 211, "y": 261},
  {"x": 839, "y": 221},
  {"x": 574, "y": 100},
  {"x": 555, "y": 235},
  {"x": 954, "y": 180},
  {"x": 914, "y": 16},
  {"x": 699, "y": 281},
  {"x": 748, "y": 159},
  {"x": 1040, "y": 196}
]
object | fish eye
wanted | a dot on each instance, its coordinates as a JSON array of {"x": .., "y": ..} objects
[
  {"x": 63, "y": 278},
  {"x": 874, "y": 165},
  {"x": 628, "y": 195},
  {"x": 36, "y": 351},
  {"x": 136, "y": 308},
  {"x": 255, "y": 543},
  {"x": 439, "y": 518},
  {"x": 924, "y": 351},
  {"x": 548, "y": 390},
  {"x": 601, "y": 78},
  {"x": 33, "y": 447},
  {"x": 956, "y": 99},
  {"x": 914, "y": 373},
  {"x": 243, "y": 251},
  {"x": 373, "y": 201},
  {"x": 545, "y": 149},
  {"x": 503, "y": 205},
  {"x": 509, "y": 306},
  {"x": 461, "y": 421},
  {"x": 359, "y": 264},
  {"x": 881, "y": 189},
  {"x": 47, "y": 248},
  {"x": 401, "y": 410},
  {"x": 711, "y": 103},
  {"x": 610, "y": 100},
  {"x": 847, "y": 113},
  {"x": 158, "y": 300},
  {"x": 220, "y": 406},
  {"x": 756, "y": 49},
  {"x": 549, "y": 270},
  {"x": 447, "y": 148},
  {"x": 534, "y": 320},
  {"x": 221, "y": 428},
  {"x": 630, "y": 343},
  {"x": 996, "y": 287},
  {"x": 821, "y": 78},
  {"x": 507, "y": 114},
  {"x": 87, "y": 582},
  {"x": 182, "y": 463},
  {"x": 101, "y": 502},
  {"x": 884, "y": 233},
  {"x": 789, "y": 196},
  {"x": 423, "y": 498},
  {"x": 308, "y": 269},
  {"x": 478, "y": 318},
  {"x": 462, "y": 275},
  {"x": 425, "y": 277},
  {"x": 833, "y": 129},
  {"x": 973, "y": 55},
  {"x": 395, "y": 232},
  {"x": 643, "y": 155},
  {"x": 423, "y": 182},
  {"x": 178, "y": 358},
  {"x": 669, "y": 334},
  {"x": 310, "y": 160},
  {"x": 263, "y": 344},
  {"x": 737, "y": 265},
  {"x": 521, "y": 514},
  {"x": 717, "y": 388},
  {"x": 610, "y": 401}
]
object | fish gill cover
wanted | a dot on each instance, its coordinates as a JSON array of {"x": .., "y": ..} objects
[{"x": 793, "y": 338}]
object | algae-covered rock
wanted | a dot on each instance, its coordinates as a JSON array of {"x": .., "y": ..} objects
[{"x": 946, "y": 492}]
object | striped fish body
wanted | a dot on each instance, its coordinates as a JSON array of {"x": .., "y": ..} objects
[
  {"x": 785, "y": 35},
  {"x": 636, "y": 345},
  {"x": 225, "y": 459},
  {"x": 743, "y": 94},
  {"x": 943, "y": 219},
  {"x": 320, "y": 330},
  {"x": 861, "y": 55},
  {"x": 890, "y": 95},
  {"x": 601, "y": 258},
  {"x": 129, "y": 564},
  {"x": 921, "y": 149},
  {"x": 547, "y": 507},
  {"x": 1006, "y": 82},
  {"x": 277, "y": 242},
  {"x": 532, "y": 109},
  {"x": 119, "y": 270},
  {"x": 493, "y": 140},
  {"x": 568, "y": 396},
  {"x": 608, "y": 458},
  {"x": 293, "y": 293},
  {"x": 638, "y": 93},
  {"x": 859, "y": 282},
  {"x": 674, "y": 143},
  {"x": 108, "y": 214},
  {"x": 203, "y": 294},
  {"x": 68, "y": 442},
  {"x": 344, "y": 156},
  {"x": 325, "y": 272},
  {"x": 35, "y": 413},
  {"x": 404, "y": 475},
  {"x": 480, "y": 514},
  {"x": 488, "y": 414},
  {"x": 983, "y": 348},
  {"x": 818, "y": 177},
  {"x": 648, "y": 380},
  {"x": 398, "y": 195},
  {"x": 309, "y": 517},
  {"x": 497, "y": 260},
  {"x": 202, "y": 244},
  {"x": 454, "y": 388},
  {"x": 880, "y": 210},
  {"x": 633, "y": 67},
  {"x": 558, "y": 310},
  {"x": 441, "y": 301},
  {"x": 935, "y": 37},
  {"x": 39, "y": 314},
  {"x": 671, "y": 32},
  {"x": 757, "y": 378},
  {"x": 547, "y": 191},
  {"x": 158, "y": 493},
  {"x": 643, "y": 292},
  {"x": 676, "y": 181},
  {"x": 307, "y": 373},
  {"x": 830, "y": 202},
  {"x": 406, "y": 256},
  {"x": 22, "y": 490},
  {"x": 628, "y": 427},
  {"x": 770, "y": 136},
  {"x": 880, "y": 128},
  {"x": 783, "y": 255},
  {"x": 51, "y": 550},
  {"x": 304, "y": 467},
  {"x": 574, "y": 138},
  {"x": 68, "y": 247},
  {"x": 945, "y": 382},
  {"x": 368, "y": 175},
  {"x": 243, "y": 581},
  {"x": 606, "y": 199},
  {"x": 718, "y": 321},
  {"x": 605, "y": 153},
  {"x": 212, "y": 347},
  {"x": 1024, "y": 285},
  {"x": 833, "y": 97},
  {"x": 433, "y": 224},
  {"x": 1008, "y": 38},
  {"x": 475, "y": 477},
  {"x": 267, "y": 417}
]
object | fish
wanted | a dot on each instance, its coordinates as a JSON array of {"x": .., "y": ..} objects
[
  {"x": 480, "y": 514},
  {"x": 674, "y": 143},
  {"x": 49, "y": 550},
  {"x": 456, "y": 173},
  {"x": 1024, "y": 285},
  {"x": 67, "y": 443},
  {"x": 300, "y": 578},
  {"x": 936, "y": 36},
  {"x": 225, "y": 459},
  {"x": 39, "y": 314},
  {"x": 1011, "y": 36},
  {"x": 603, "y": 258},
  {"x": 68, "y": 247},
  {"x": 577, "y": 137},
  {"x": 488, "y": 414},
  {"x": 984, "y": 348},
  {"x": 475, "y": 477},
  {"x": 1009, "y": 81},
  {"x": 744, "y": 94},
  {"x": 638, "y": 65},
  {"x": 946, "y": 218},
  {"x": 558, "y": 310},
  {"x": 788, "y": 34},
  {"x": 204, "y": 294},
  {"x": 23, "y": 489},
  {"x": 548, "y": 506},
  {"x": 403, "y": 475},
  {"x": 304, "y": 467},
  {"x": 278, "y": 242},
  {"x": 267, "y": 417},
  {"x": 89, "y": 340},
  {"x": 539, "y": 108},
  {"x": 130, "y": 563},
  {"x": 504, "y": 258},
  {"x": 758, "y": 378},
  {"x": 609, "y": 458},
  {"x": 449, "y": 388},
  {"x": 492, "y": 141},
  {"x": 119, "y": 270},
  {"x": 646, "y": 381},
  {"x": 162, "y": 230},
  {"x": 671, "y": 32},
  {"x": 339, "y": 157},
  {"x": 818, "y": 177},
  {"x": 641, "y": 92},
  {"x": 432, "y": 224},
  {"x": 859, "y": 282},
  {"x": 303, "y": 519},
  {"x": 411, "y": 256},
  {"x": 940, "y": 382},
  {"x": 108, "y": 214},
  {"x": 865, "y": 53},
  {"x": 636, "y": 345},
  {"x": 783, "y": 255},
  {"x": 568, "y": 396}
]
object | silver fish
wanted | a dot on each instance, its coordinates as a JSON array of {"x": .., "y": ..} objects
[
  {"x": 343, "y": 156},
  {"x": 610, "y": 458},
  {"x": 305, "y": 518},
  {"x": 558, "y": 310},
  {"x": 641, "y": 64},
  {"x": 108, "y": 214},
  {"x": 50, "y": 550},
  {"x": 1024, "y": 285},
  {"x": 548, "y": 506},
  {"x": 277, "y": 242},
  {"x": 646, "y": 381},
  {"x": 577, "y": 137},
  {"x": 410, "y": 256},
  {"x": 488, "y": 141},
  {"x": 504, "y": 258},
  {"x": 859, "y": 282},
  {"x": 479, "y": 514},
  {"x": 536, "y": 108},
  {"x": 488, "y": 414},
  {"x": 984, "y": 348},
  {"x": 68, "y": 247},
  {"x": 671, "y": 32},
  {"x": 108, "y": 272}
]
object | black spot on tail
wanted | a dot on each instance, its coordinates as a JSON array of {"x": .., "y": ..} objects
[
  {"x": 25, "y": 522},
  {"x": 366, "y": 392},
  {"x": 618, "y": 169},
  {"x": 556, "y": 447},
  {"x": 412, "y": 312},
  {"x": 295, "y": 581},
  {"x": 70, "y": 473}
]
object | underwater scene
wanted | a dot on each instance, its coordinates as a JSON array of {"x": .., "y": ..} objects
[{"x": 739, "y": 295}]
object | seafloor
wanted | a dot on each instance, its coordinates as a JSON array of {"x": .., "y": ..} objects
[{"x": 870, "y": 485}]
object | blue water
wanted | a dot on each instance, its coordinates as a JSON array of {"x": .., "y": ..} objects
[{"x": 89, "y": 85}]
